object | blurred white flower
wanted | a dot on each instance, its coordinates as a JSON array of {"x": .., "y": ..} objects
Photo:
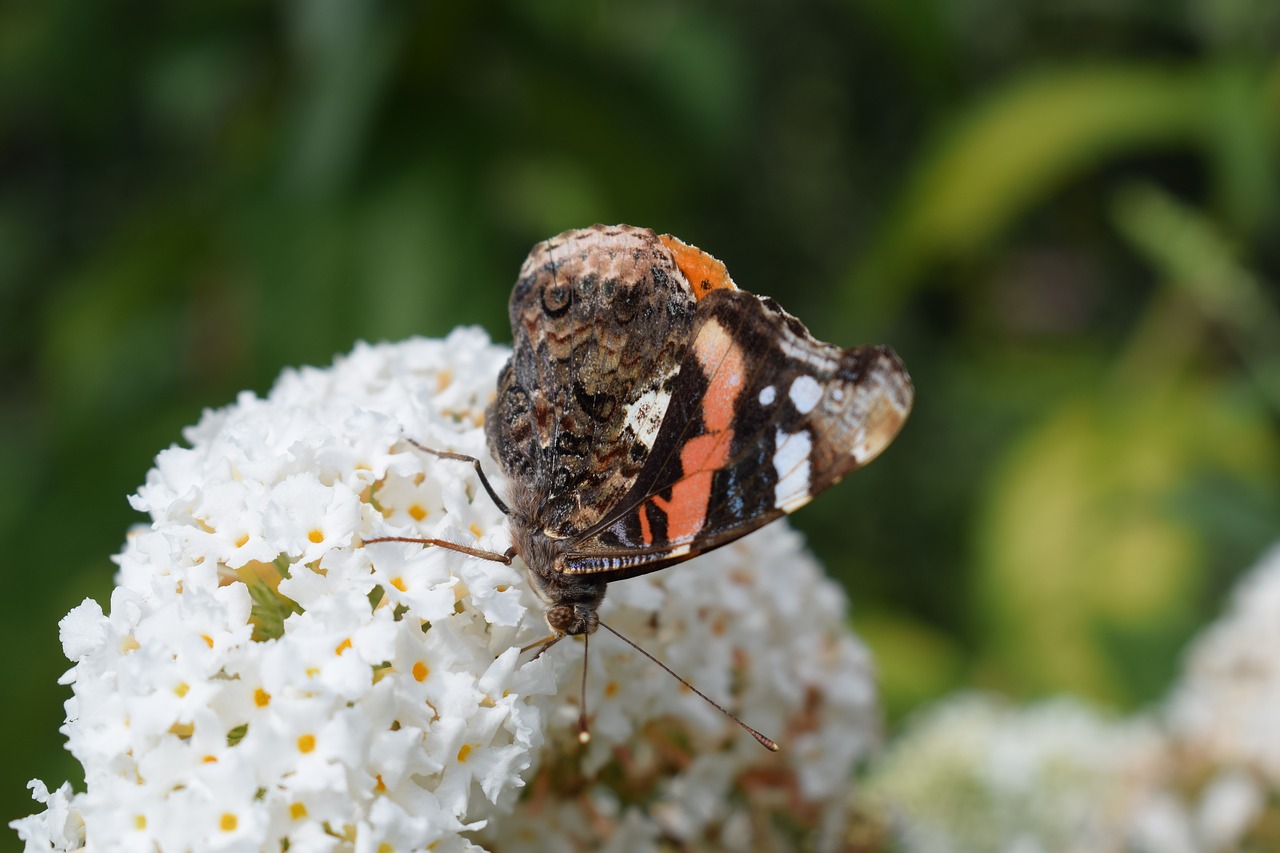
[
  {"x": 262, "y": 681},
  {"x": 1228, "y": 700},
  {"x": 1201, "y": 774},
  {"x": 1223, "y": 718},
  {"x": 975, "y": 774}
]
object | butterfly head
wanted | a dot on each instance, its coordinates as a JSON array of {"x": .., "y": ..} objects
[{"x": 571, "y": 599}]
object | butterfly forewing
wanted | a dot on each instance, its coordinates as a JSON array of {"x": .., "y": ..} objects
[{"x": 761, "y": 418}]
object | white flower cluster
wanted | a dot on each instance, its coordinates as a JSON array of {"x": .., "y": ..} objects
[
  {"x": 1201, "y": 774},
  {"x": 1224, "y": 716},
  {"x": 264, "y": 681},
  {"x": 1228, "y": 702}
]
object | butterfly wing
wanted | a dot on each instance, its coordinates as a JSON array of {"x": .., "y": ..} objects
[
  {"x": 761, "y": 418},
  {"x": 600, "y": 319}
]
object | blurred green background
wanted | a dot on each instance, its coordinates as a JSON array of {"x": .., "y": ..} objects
[{"x": 1065, "y": 218}]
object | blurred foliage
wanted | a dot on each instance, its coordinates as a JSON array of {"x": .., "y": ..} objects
[{"x": 1064, "y": 217}]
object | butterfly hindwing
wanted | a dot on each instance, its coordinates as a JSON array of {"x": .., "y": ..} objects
[{"x": 761, "y": 418}]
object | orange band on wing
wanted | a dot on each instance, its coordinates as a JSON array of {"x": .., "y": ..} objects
[
  {"x": 704, "y": 272},
  {"x": 723, "y": 363},
  {"x": 691, "y": 495}
]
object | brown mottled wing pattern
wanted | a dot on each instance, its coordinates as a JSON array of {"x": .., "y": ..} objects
[
  {"x": 762, "y": 417},
  {"x": 600, "y": 318}
]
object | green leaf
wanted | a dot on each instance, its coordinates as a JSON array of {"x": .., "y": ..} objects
[
  {"x": 1011, "y": 153},
  {"x": 270, "y": 609},
  {"x": 1195, "y": 257}
]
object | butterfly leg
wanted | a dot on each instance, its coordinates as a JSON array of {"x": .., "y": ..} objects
[
  {"x": 505, "y": 558},
  {"x": 475, "y": 463}
]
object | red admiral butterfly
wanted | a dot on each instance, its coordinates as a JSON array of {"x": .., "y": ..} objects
[{"x": 651, "y": 411}]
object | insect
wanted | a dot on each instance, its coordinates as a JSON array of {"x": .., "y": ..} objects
[{"x": 651, "y": 411}]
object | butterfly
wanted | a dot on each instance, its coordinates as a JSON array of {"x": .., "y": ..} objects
[{"x": 651, "y": 411}]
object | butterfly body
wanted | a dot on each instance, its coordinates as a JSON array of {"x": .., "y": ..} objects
[{"x": 652, "y": 411}]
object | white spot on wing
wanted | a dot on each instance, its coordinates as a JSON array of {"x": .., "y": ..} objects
[
  {"x": 805, "y": 393},
  {"x": 791, "y": 461},
  {"x": 806, "y": 352},
  {"x": 645, "y": 415},
  {"x": 767, "y": 395}
]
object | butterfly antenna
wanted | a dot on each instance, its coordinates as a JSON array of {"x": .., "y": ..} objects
[
  {"x": 767, "y": 743},
  {"x": 584, "y": 733}
]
